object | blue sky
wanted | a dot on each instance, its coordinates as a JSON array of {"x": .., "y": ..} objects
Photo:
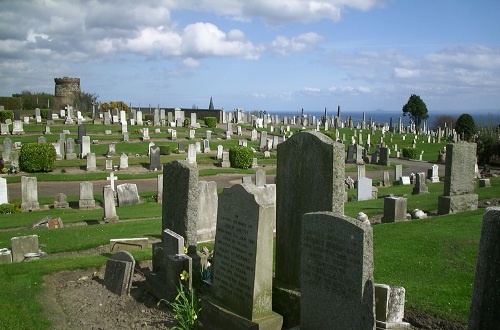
[{"x": 280, "y": 55}]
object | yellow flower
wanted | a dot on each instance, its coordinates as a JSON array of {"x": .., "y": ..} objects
[
  {"x": 184, "y": 276},
  {"x": 185, "y": 250}
]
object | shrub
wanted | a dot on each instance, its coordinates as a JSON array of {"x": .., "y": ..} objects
[
  {"x": 37, "y": 157},
  {"x": 165, "y": 150},
  {"x": 410, "y": 153},
  {"x": 149, "y": 117},
  {"x": 241, "y": 157},
  {"x": 7, "y": 208},
  {"x": 6, "y": 114},
  {"x": 465, "y": 125},
  {"x": 43, "y": 113},
  {"x": 211, "y": 122}
]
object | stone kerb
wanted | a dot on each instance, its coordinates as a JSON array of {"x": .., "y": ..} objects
[
  {"x": 241, "y": 295},
  {"x": 322, "y": 189},
  {"x": 337, "y": 287}
]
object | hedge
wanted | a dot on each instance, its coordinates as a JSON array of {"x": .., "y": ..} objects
[
  {"x": 410, "y": 153},
  {"x": 165, "y": 150},
  {"x": 241, "y": 157},
  {"x": 211, "y": 122},
  {"x": 37, "y": 157},
  {"x": 6, "y": 114}
]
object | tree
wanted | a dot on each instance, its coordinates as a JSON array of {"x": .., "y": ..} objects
[
  {"x": 83, "y": 101},
  {"x": 466, "y": 126},
  {"x": 443, "y": 120},
  {"x": 416, "y": 109}
]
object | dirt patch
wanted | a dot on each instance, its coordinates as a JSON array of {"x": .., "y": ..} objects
[
  {"x": 425, "y": 321},
  {"x": 79, "y": 300}
]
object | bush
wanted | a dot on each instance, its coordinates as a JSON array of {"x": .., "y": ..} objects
[
  {"x": 6, "y": 114},
  {"x": 211, "y": 122},
  {"x": 37, "y": 157},
  {"x": 149, "y": 117},
  {"x": 43, "y": 114},
  {"x": 7, "y": 208},
  {"x": 410, "y": 153},
  {"x": 165, "y": 150},
  {"x": 465, "y": 125},
  {"x": 241, "y": 157}
]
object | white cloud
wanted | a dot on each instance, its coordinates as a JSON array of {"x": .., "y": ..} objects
[
  {"x": 300, "y": 43},
  {"x": 406, "y": 73},
  {"x": 191, "y": 62}
]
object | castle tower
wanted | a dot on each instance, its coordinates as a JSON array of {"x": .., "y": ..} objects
[{"x": 64, "y": 90}]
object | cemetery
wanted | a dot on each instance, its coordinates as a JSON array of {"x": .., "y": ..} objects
[{"x": 272, "y": 221}]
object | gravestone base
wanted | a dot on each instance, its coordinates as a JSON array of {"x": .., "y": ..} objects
[
  {"x": 155, "y": 284},
  {"x": 86, "y": 204},
  {"x": 286, "y": 302},
  {"x": 393, "y": 325},
  {"x": 30, "y": 206},
  {"x": 457, "y": 204},
  {"x": 214, "y": 316},
  {"x": 110, "y": 219},
  {"x": 70, "y": 156}
]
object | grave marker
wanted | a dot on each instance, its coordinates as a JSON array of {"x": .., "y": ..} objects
[
  {"x": 29, "y": 192},
  {"x": 86, "y": 199},
  {"x": 127, "y": 194}
]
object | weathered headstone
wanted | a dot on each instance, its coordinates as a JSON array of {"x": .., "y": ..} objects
[
  {"x": 364, "y": 189},
  {"x": 123, "y": 161},
  {"x": 459, "y": 180},
  {"x": 389, "y": 308},
  {"x": 225, "y": 160},
  {"x": 91, "y": 162},
  {"x": 191, "y": 154},
  {"x": 433, "y": 173},
  {"x": 394, "y": 209},
  {"x": 85, "y": 146},
  {"x": 485, "y": 302},
  {"x": 207, "y": 210},
  {"x": 29, "y": 192},
  {"x": 260, "y": 178},
  {"x": 109, "y": 205},
  {"x": 4, "y": 196},
  {"x": 70, "y": 152},
  {"x": 127, "y": 194},
  {"x": 22, "y": 245},
  {"x": 61, "y": 201},
  {"x": 398, "y": 172},
  {"x": 243, "y": 246},
  {"x": 119, "y": 273},
  {"x": 7, "y": 149},
  {"x": 86, "y": 199},
  {"x": 154, "y": 158},
  {"x": 180, "y": 199},
  {"x": 384, "y": 157},
  {"x": 111, "y": 150},
  {"x": 420, "y": 186},
  {"x": 159, "y": 188},
  {"x": 322, "y": 189},
  {"x": 339, "y": 248}
]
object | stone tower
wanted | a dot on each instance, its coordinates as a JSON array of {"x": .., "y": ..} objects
[{"x": 64, "y": 90}]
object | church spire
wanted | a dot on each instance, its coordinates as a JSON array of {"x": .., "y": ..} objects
[{"x": 211, "y": 106}]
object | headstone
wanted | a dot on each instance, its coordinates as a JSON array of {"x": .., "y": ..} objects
[
  {"x": 85, "y": 146},
  {"x": 243, "y": 246},
  {"x": 86, "y": 199},
  {"x": 459, "y": 180},
  {"x": 394, "y": 209},
  {"x": 159, "y": 188},
  {"x": 154, "y": 158},
  {"x": 207, "y": 210},
  {"x": 389, "y": 308},
  {"x": 55, "y": 223},
  {"x": 128, "y": 244},
  {"x": 22, "y": 245},
  {"x": 180, "y": 200},
  {"x": 91, "y": 162},
  {"x": 260, "y": 178},
  {"x": 41, "y": 139},
  {"x": 145, "y": 134},
  {"x": 485, "y": 302},
  {"x": 225, "y": 160},
  {"x": 119, "y": 273},
  {"x": 485, "y": 182},
  {"x": 109, "y": 164},
  {"x": 339, "y": 248},
  {"x": 420, "y": 187},
  {"x": 127, "y": 194},
  {"x": 82, "y": 131},
  {"x": 4, "y": 196},
  {"x": 123, "y": 161},
  {"x": 433, "y": 173},
  {"x": 111, "y": 150},
  {"x": 70, "y": 152},
  {"x": 384, "y": 157},
  {"x": 191, "y": 154},
  {"x": 61, "y": 201},
  {"x": 112, "y": 178},
  {"x": 322, "y": 189},
  {"x": 220, "y": 149},
  {"x": 398, "y": 172},
  {"x": 17, "y": 127},
  {"x": 361, "y": 171},
  {"x": 364, "y": 189},
  {"x": 29, "y": 192},
  {"x": 386, "y": 181},
  {"x": 405, "y": 180},
  {"x": 109, "y": 204}
]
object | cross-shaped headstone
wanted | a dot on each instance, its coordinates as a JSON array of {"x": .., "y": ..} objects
[{"x": 112, "y": 178}]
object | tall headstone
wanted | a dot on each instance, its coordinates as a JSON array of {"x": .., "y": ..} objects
[
  {"x": 86, "y": 199},
  {"x": 364, "y": 189},
  {"x": 123, "y": 161},
  {"x": 85, "y": 146},
  {"x": 29, "y": 192},
  {"x": 180, "y": 199},
  {"x": 459, "y": 179},
  {"x": 154, "y": 158},
  {"x": 398, "y": 172},
  {"x": 339, "y": 248},
  {"x": 260, "y": 178},
  {"x": 91, "y": 162},
  {"x": 82, "y": 131},
  {"x": 485, "y": 302},
  {"x": 191, "y": 154},
  {"x": 109, "y": 205},
  {"x": 159, "y": 188},
  {"x": 4, "y": 196},
  {"x": 322, "y": 189},
  {"x": 207, "y": 210},
  {"x": 243, "y": 246},
  {"x": 7, "y": 149},
  {"x": 70, "y": 152},
  {"x": 384, "y": 157},
  {"x": 433, "y": 173}
]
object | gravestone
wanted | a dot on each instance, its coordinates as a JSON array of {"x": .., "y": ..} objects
[
  {"x": 86, "y": 199},
  {"x": 29, "y": 192},
  {"x": 405, "y": 180},
  {"x": 398, "y": 172},
  {"x": 91, "y": 162},
  {"x": 191, "y": 158},
  {"x": 361, "y": 171},
  {"x": 128, "y": 244},
  {"x": 340, "y": 250},
  {"x": 459, "y": 179},
  {"x": 386, "y": 181},
  {"x": 207, "y": 210},
  {"x": 242, "y": 276},
  {"x": 119, "y": 273},
  {"x": 82, "y": 131},
  {"x": 225, "y": 160},
  {"x": 22, "y": 245},
  {"x": 322, "y": 189},
  {"x": 111, "y": 150},
  {"x": 85, "y": 146},
  {"x": 7, "y": 149},
  {"x": 109, "y": 205},
  {"x": 159, "y": 188},
  {"x": 485, "y": 302},
  {"x": 384, "y": 157},
  {"x": 145, "y": 134},
  {"x": 220, "y": 149},
  {"x": 394, "y": 209},
  {"x": 4, "y": 196},
  {"x": 70, "y": 152},
  {"x": 420, "y": 187},
  {"x": 260, "y": 178},
  {"x": 351, "y": 153},
  {"x": 41, "y": 139},
  {"x": 389, "y": 307},
  {"x": 61, "y": 201},
  {"x": 123, "y": 162},
  {"x": 154, "y": 158},
  {"x": 17, "y": 127},
  {"x": 127, "y": 194},
  {"x": 108, "y": 164},
  {"x": 364, "y": 189},
  {"x": 483, "y": 183},
  {"x": 433, "y": 173},
  {"x": 180, "y": 199}
]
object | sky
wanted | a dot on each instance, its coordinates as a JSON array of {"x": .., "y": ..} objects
[{"x": 279, "y": 55}]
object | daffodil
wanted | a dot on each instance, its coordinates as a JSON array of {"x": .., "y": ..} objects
[{"x": 184, "y": 276}]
